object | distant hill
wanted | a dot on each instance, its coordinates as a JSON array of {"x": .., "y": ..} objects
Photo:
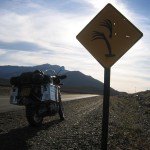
[
  {"x": 84, "y": 84},
  {"x": 76, "y": 82},
  {"x": 87, "y": 84},
  {"x": 9, "y": 71}
]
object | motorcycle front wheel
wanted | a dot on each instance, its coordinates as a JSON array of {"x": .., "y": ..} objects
[
  {"x": 60, "y": 111},
  {"x": 33, "y": 117}
]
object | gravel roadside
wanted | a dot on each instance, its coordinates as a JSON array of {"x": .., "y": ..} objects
[
  {"x": 129, "y": 126},
  {"x": 80, "y": 130}
]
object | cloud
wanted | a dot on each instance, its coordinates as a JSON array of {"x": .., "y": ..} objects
[
  {"x": 20, "y": 46},
  {"x": 45, "y": 32}
]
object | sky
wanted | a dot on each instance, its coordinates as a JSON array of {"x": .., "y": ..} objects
[{"x": 34, "y": 32}]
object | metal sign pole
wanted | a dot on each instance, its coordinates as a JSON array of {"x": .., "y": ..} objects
[{"x": 105, "y": 118}]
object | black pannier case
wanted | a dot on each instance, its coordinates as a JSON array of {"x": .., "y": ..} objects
[{"x": 36, "y": 77}]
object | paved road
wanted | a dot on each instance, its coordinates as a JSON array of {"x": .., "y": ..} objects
[
  {"x": 68, "y": 97},
  {"x": 5, "y": 106}
]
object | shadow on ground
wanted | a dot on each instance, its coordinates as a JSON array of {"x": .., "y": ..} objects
[{"x": 17, "y": 139}]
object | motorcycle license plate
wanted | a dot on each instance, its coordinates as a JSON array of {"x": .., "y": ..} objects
[{"x": 25, "y": 92}]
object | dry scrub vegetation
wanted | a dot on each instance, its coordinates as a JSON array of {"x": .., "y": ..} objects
[{"x": 129, "y": 127}]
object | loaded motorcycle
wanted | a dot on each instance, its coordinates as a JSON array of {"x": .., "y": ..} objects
[{"x": 40, "y": 93}]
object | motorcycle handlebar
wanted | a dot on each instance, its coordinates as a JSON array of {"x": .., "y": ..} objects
[
  {"x": 59, "y": 77},
  {"x": 62, "y": 77}
]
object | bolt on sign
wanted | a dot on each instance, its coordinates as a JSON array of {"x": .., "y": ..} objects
[{"x": 109, "y": 36}]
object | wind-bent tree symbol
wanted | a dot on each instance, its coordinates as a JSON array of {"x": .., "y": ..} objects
[
  {"x": 107, "y": 23},
  {"x": 99, "y": 35}
]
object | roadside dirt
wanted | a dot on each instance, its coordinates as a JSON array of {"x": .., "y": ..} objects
[
  {"x": 78, "y": 131},
  {"x": 81, "y": 130}
]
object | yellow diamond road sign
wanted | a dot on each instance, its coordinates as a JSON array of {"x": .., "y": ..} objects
[{"x": 109, "y": 36}]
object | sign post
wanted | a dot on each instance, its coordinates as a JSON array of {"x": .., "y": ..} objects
[
  {"x": 105, "y": 118},
  {"x": 108, "y": 36}
]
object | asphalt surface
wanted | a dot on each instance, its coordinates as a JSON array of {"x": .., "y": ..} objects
[{"x": 5, "y": 106}]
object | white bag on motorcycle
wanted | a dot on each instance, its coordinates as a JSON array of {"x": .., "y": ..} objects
[
  {"x": 14, "y": 96},
  {"x": 49, "y": 92}
]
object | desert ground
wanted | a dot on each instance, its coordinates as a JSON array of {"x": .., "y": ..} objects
[{"x": 129, "y": 127}]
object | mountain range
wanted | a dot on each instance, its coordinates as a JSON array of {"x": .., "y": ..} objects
[{"x": 76, "y": 82}]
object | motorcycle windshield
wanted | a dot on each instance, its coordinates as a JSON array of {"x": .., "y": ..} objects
[{"x": 50, "y": 72}]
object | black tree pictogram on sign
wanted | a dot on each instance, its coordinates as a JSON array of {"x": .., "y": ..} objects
[{"x": 100, "y": 35}]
